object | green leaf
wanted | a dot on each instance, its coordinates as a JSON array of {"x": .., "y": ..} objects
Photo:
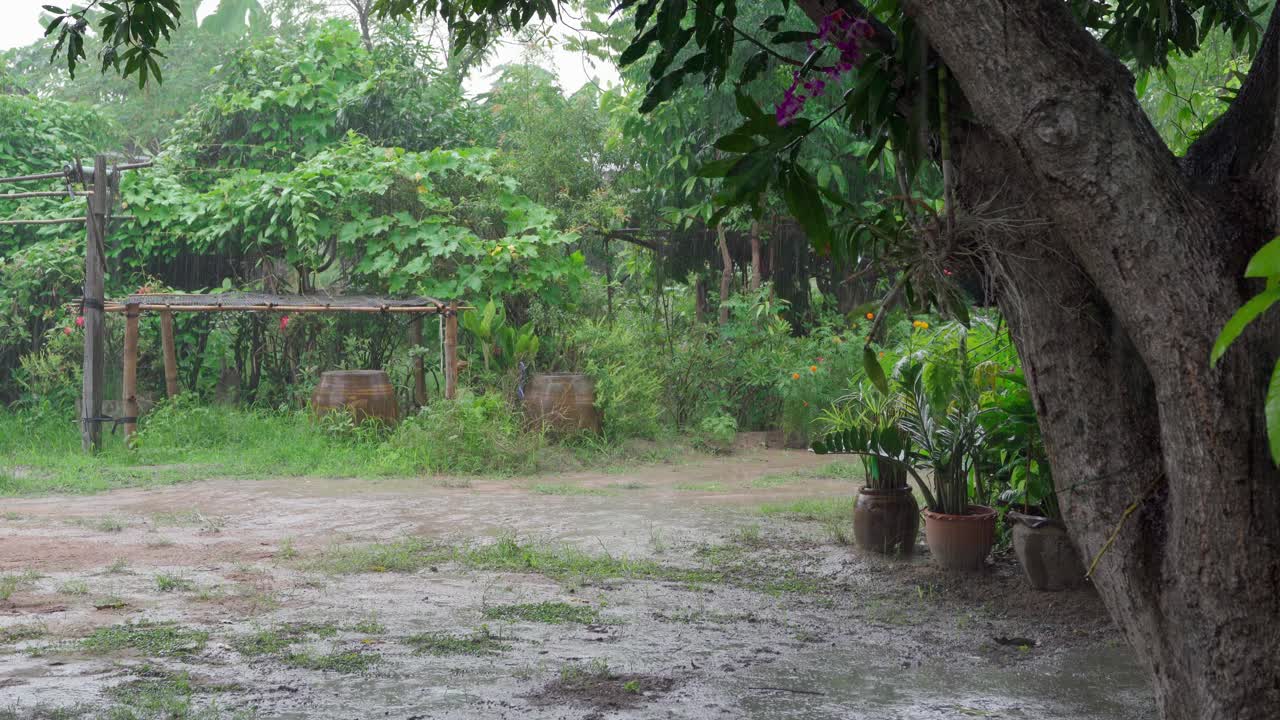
[
  {"x": 793, "y": 36},
  {"x": 1266, "y": 262},
  {"x": 874, "y": 372},
  {"x": 735, "y": 143},
  {"x": 1273, "y": 414},
  {"x": 1241, "y": 319}
]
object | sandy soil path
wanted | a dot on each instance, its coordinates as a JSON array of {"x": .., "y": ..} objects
[{"x": 660, "y": 592}]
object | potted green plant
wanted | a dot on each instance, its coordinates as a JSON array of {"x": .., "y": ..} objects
[
  {"x": 1048, "y": 558},
  {"x": 886, "y": 517},
  {"x": 948, "y": 437}
]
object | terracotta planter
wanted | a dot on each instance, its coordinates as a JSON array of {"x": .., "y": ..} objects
[
  {"x": 961, "y": 542},
  {"x": 562, "y": 402},
  {"x": 886, "y": 521},
  {"x": 365, "y": 393},
  {"x": 1046, "y": 554}
]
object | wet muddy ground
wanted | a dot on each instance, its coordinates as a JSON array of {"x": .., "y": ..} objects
[{"x": 660, "y": 592}]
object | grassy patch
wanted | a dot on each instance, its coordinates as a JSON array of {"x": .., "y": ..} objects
[
  {"x": 566, "y": 489},
  {"x": 21, "y": 633},
  {"x": 552, "y": 613},
  {"x": 369, "y": 626},
  {"x": 74, "y": 587},
  {"x": 10, "y": 584},
  {"x": 271, "y": 641},
  {"x": 408, "y": 555},
  {"x": 173, "y": 583},
  {"x": 481, "y": 642},
  {"x": 342, "y": 661},
  {"x": 149, "y": 639},
  {"x": 568, "y": 563},
  {"x": 815, "y": 509},
  {"x": 160, "y": 694},
  {"x": 700, "y": 487}
]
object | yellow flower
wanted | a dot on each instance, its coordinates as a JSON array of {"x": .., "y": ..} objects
[
  {"x": 422, "y": 189},
  {"x": 924, "y": 325}
]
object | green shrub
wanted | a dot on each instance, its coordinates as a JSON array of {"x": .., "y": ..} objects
[{"x": 473, "y": 434}]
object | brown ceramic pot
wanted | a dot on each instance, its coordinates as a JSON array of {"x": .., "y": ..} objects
[
  {"x": 365, "y": 393},
  {"x": 886, "y": 521},
  {"x": 1046, "y": 554},
  {"x": 961, "y": 542},
  {"x": 562, "y": 402}
]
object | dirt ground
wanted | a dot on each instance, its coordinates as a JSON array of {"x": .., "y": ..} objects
[{"x": 659, "y": 592}]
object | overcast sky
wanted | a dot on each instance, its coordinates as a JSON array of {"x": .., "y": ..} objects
[{"x": 20, "y": 25}]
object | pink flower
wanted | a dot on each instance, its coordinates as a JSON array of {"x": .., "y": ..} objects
[
  {"x": 845, "y": 34},
  {"x": 284, "y": 323},
  {"x": 66, "y": 330},
  {"x": 79, "y": 321}
]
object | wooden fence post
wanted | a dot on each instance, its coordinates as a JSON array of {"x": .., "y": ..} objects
[
  {"x": 93, "y": 312},
  {"x": 170, "y": 354},
  {"x": 419, "y": 364},
  {"x": 130, "y": 380},
  {"x": 451, "y": 352}
]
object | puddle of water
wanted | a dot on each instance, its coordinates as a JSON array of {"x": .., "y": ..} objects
[{"x": 1094, "y": 684}]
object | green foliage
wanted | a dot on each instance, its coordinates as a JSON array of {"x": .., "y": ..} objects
[
  {"x": 474, "y": 434},
  {"x": 1265, "y": 264}
]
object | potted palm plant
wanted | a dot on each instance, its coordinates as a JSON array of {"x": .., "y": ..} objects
[
  {"x": 886, "y": 518},
  {"x": 1048, "y": 558},
  {"x": 948, "y": 437}
]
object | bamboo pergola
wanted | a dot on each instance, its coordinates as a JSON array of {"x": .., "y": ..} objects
[{"x": 169, "y": 303}]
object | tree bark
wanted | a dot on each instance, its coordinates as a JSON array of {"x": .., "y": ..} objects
[
  {"x": 1127, "y": 263},
  {"x": 756, "y": 275},
  {"x": 726, "y": 274}
]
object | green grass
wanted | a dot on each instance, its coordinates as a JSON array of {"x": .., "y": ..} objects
[
  {"x": 835, "y": 515},
  {"x": 481, "y": 642},
  {"x": 815, "y": 509},
  {"x": 74, "y": 587},
  {"x": 161, "y": 694},
  {"x": 19, "y": 633},
  {"x": 172, "y": 583},
  {"x": 277, "y": 639},
  {"x": 566, "y": 489},
  {"x": 342, "y": 661},
  {"x": 404, "y": 556},
  {"x": 551, "y": 613},
  {"x": 146, "y": 638},
  {"x": 701, "y": 487},
  {"x": 10, "y": 584}
]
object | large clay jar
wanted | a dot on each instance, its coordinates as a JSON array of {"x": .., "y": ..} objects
[
  {"x": 365, "y": 393},
  {"x": 886, "y": 521},
  {"x": 562, "y": 402},
  {"x": 961, "y": 542},
  {"x": 1046, "y": 554}
]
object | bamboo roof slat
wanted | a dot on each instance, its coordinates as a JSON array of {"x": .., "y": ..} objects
[{"x": 267, "y": 302}]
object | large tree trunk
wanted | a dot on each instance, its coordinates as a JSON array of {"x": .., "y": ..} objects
[{"x": 1117, "y": 264}]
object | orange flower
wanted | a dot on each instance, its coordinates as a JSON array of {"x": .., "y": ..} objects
[
  {"x": 871, "y": 316},
  {"x": 813, "y": 368},
  {"x": 881, "y": 353},
  {"x": 795, "y": 376}
]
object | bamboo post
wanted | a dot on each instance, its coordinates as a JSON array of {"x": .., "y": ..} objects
[
  {"x": 170, "y": 354},
  {"x": 130, "y": 381},
  {"x": 419, "y": 365},
  {"x": 93, "y": 312},
  {"x": 451, "y": 351}
]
